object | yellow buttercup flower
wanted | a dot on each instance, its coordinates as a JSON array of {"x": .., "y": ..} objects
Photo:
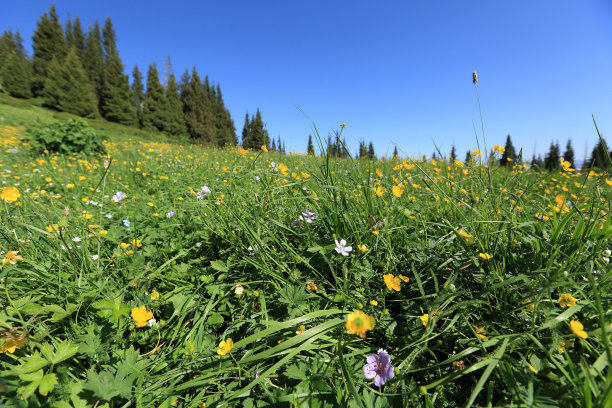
[
  {"x": 404, "y": 278},
  {"x": 397, "y": 191},
  {"x": 311, "y": 286},
  {"x": 12, "y": 257},
  {"x": 566, "y": 300},
  {"x": 243, "y": 152},
  {"x": 374, "y": 302},
  {"x": 225, "y": 346},
  {"x": 141, "y": 316},
  {"x": 425, "y": 319},
  {"x": 264, "y": 148},
  {"x": 154, "y": 295},
  {"x": 358, "y": 323},
  {"x": 10, "y": 194},
  {"x": 578, "y": 329},
  {"x": 12, "y": 343},
  {"x": 392, "y": 282},
  {"x": 378, "y": 191},
  {"x": 484, "y": 256},
  {"x": 481, "y": 332},
  {"x": 283, "y": 169},
  {"x": 362, "y": 247},
  {"x": 300, "y": 329},
  {"x": 464, "y": 235}
]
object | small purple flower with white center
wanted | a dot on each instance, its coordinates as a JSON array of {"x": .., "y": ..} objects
[
  {"x": 379, "y": 368},
  {"x": 170, "y": 214},
  {"x": 273, "y": 164},
  {"x": 119, "y": 195},
  {"x": 309, "y": 216},
  {"x": 256, "y": 374}
]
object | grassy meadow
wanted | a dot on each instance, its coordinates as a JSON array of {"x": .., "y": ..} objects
[{"x": 164, "y": 275}]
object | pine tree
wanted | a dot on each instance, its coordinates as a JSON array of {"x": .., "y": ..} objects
[
  {"x": 194, "y": 100},
  {"x": 552, "y": 160},
  {"x": 599, "y": 156},
  {"x": 77, "y": 39},
  {"x": 226, "y": 131},
  {"x": 155, "y": 113},
  {"x": 259, "y": 134},
  {"x": 569, "y": 153},
  {"x": 246, "y": 132},
  {"x": 15, "y": 68},
  {"x": 273, "y": 145},
  {"x": 115, "y": 105},
  {"x": 509, "y": 154},
  {"x": 93, "y": 61},
  {"x": 396, "y": 153},
  {"x": 67, "y": 88},
  {"x": 15, "y": 76},
  {"x": 175, "y": 124},
  {"x": 310, "y": 148},
  {"x": 453, "y": 154},
  {"x": 371, "y": 154},
  {"x": 48, "y": 42},
  {"x": 138, "y": 96},
  {"x": 468, "y": 157},
  {"x": 279, "y": 145}
]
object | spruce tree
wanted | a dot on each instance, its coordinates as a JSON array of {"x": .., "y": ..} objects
[
  {"x": 259, "y": 134},
  {"x": 396, "y": 153},
  {"x": 371, "y": 154},
  {"x": 246, "y": 132},
  {"x": 599, "y": 156},
  {"x": 569, "y": 153},
  {"x": 15, "y": 76},
  {"x": 77, "y": 39},
  {"x": 48, "y": 42},
  {"x": 552, "y": 160},
  {"x": 115, "y": 105},
  {"x": 509, "y": 153},
  {"x": 155, "y": 113},
  {"x": 175, "y": 124},
  {"x": 138, "y": 96},
  {"x": 468, "y": 157},
  {"x": 226, "y": 131},
  {"x": 279, "y": 145},
  {"x": 453, "y": 153},
  {"x": 15, "y": 68},
  {"x": 273, "y": 144},
  {"x": 93, "y": 61},
  {"x": 194, "y": 101},
  {"x": 67, "y": 88},
  {"x": 310, "y": 148}
]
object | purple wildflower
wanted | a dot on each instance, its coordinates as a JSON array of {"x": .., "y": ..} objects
[
  {"x": 119, "y": 195},
  {"x": 309, "y": 216},
  {"x": 379, "y": 368},
  {"x": 170, "y": 214}
]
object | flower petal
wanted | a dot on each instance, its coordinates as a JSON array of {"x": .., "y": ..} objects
[{"x": 369, "y": 370}]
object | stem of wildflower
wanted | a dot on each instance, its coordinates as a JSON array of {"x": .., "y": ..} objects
[{"x": 239, "y": 367}]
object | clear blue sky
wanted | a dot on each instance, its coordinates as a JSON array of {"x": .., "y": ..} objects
[{"x": 394, "y": 71}]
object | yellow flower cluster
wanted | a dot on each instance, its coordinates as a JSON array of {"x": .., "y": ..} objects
[{"x": 358, "y": 323}]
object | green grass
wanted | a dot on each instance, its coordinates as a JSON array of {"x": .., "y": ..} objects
[{"x": 495, "y": 325}]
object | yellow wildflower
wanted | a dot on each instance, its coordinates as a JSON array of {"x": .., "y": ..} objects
[
  {"x": 283, "y": 168},
  {"x": 225, "y": 346},
  {"x": 154, "y": 295},
  {"x": 358, "y": 323},
  {"x": 375, "y": 232},
  {"x": 311, "y": 286},
  {"x": 578, "y": 329},
  {"x": 404, "y": 278},
  {"x": 264, "y": 148},
  {"x": 362, "y": 247},
  {"x": 12, "y": 343},
  {"x": 243, "y": 152},
  {"x": 484, "y": 256},
  {"x": 12, "y": 257},
  {"x": 566, "y": 300},
  {"x": 374, "y": 302},
  {"x": 529, "y": 304},
  {"x": 464, "y": 235},
  {"x": 481, "y": 332},
  {"x": 425, "y": 319},
  {"x": 300, "y": 329},
  {"x": 397, "y": 191},
  {"x": 141, "y": 316},
  {"x": 392, "y": 282},
  {"x": 10, "y": 194},
  {"x": 378, "y": 191}
]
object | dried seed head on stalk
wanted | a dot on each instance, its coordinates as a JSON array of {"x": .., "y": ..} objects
[{"x": 474, "y": 77}]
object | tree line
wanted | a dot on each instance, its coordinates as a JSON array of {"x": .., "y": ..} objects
[
  {"x": 78, "y": 71},
  {"x": 551, "y": 160}
]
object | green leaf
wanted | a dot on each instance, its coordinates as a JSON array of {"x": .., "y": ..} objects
[
  {"x": 112, "y": 309},
  {"x": 219, "y": 266},
  {"x": 47, "y": 384},
  {"x": 64, "y": 351}
]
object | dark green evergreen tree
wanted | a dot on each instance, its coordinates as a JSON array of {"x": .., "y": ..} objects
[
  {"x": 279, "y": 145},
  {"x": 15, "y": 68},
  {"x": 246, "y": 132},
  {"x": 468, "y": 157},
  {"x": 273, "y": 144},
  {"x": 453, "y": 154},
  {"x": 509, "y": 153},
  {"x": 259, "y": 133},
  {"x": 115, "y": 105},
  {"x": 76, "y": 39},
  {"x": 363, "y": 149},
  {"x": 371, "y": 154},
  {"x": 138, "y": 96},
  {"x": 552, "y": 160},
  {"x": 93, "y": 61},
  {"x": 599, "y": 156},
  {"x": 194, "y": 101},
  {"x": 226, "y": 131},
  {"x": 175, "y": 124},
  {"x": 537, "y": 164},
  {"x": 48, "y": 42},
  {"x": 310, "y": 148},
  {"x": 569, "y": 153},
  {"x": 15, "y": 76},
  {"x": 67, "y": 88},
  {"x": 396, "y": 153},
  {"x": 155, "y": 112}
]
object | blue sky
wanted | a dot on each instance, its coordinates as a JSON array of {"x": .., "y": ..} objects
[{"x": 397, "y": 72}]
